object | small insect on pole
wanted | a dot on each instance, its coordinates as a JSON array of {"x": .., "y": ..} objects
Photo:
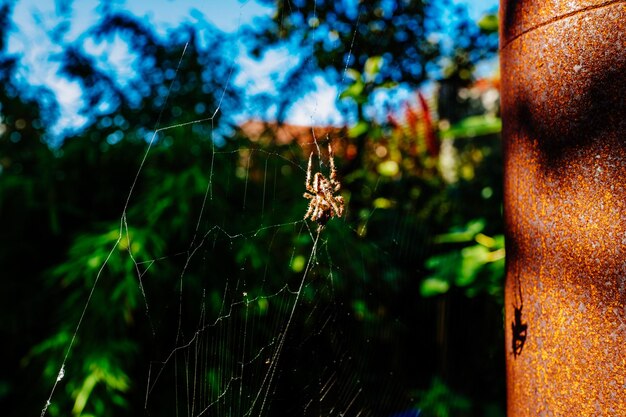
[{"x": 563, "y": 68}]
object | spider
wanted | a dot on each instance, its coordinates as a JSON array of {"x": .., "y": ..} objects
[{"x": 324, "y": 203}]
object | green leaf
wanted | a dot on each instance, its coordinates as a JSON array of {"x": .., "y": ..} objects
[
  {"x": 298, "y": 263},
  {"x": 358, "y": 129},
  {"x": 100, "y": 371},
  {"x": 439, "y": 400},
  {"x": 382, "y": 203},
  {"x": 388, "y": 168},
  {"x": 353, "y": 74},
  {"x": 467, "y": 234},
  {"x": 474, "y": 257},
  {"x": 473, "y": 126},
  {"x": 353, "y": 91},
  {"x": 434, "y": 286},
  {"x": 388, "y": 84},
  {"x": 372, "y": 67},
  {"x": 488, "y": 23}
]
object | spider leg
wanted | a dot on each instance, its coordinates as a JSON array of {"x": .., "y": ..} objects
[
  {"x": 317, "y": 182},
  {"x": 307, "y": 183},
  {"x": 317, "y": 212},
  {"x": 307, "y": 195},
  {"x": 310, "y": 209},
  {"x": 336, "y": 207},
  {"x": 339, "y": 201},
  {"x": 333, "y": 171}
]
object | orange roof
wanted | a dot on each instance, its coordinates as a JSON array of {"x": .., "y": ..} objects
[{"x": 283, "y": 134}]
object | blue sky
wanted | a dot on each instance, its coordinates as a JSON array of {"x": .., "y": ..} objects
[
  {"x": 34, "y": 18},
  {"x": 225, "y": 14}
]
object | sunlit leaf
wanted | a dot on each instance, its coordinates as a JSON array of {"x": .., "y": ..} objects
[
  {"x": 372, "y": 67},
  {"x": 474, "y": 257},
  {"x": 358, "y": 129},
  {"x": 488, "y": 23},
  {"x": 388, "y": 168},
  {"x": 434, "y": 286},
  {"x": 297, "y": 265},
  {"x": 485, "y": 240},
  {"x": 353, "y": 74},
  {"x": 353, "y": 91},
  {"x": 473, "y": 126},
  {"x": 465, "y": 235},
  {"x": 83, "y": 394},
  {"x": 382, "y": 203}
]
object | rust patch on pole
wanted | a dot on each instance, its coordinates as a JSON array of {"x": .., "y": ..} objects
[{"x": 564, "y": 113}]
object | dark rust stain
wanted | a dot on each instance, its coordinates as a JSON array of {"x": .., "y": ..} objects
[{"x": 564, "y": 113}]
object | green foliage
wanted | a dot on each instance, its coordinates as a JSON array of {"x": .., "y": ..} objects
[
  {"x": 397, "y": 31},
  {"x": 101, "y": 373},
  {"x": 477, "y": 266},
  {"x": 378, "y": 44},
  {"x": 363, "y": 86},
  {"x": 440, "y": 401},
  {"x": 489, "y": 23},
  {"x": 473, "y": 126}
]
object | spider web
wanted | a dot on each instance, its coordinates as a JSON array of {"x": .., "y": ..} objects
[{"x": 253, "y": 348}]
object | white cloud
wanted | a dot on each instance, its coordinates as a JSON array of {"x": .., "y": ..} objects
[
  {"x": 263, "y": 75},
  {"x": 317, "y": 108}
]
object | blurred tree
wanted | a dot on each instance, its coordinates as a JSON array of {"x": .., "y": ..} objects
[
  {"x": 344, "y": 34},
  {"x": 411, "y": 41}
]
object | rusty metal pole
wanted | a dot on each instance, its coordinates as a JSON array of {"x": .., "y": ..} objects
[{"x": 563, "y": 68}]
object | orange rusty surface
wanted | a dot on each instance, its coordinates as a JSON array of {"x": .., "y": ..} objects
[
  {"x": 519, "y": 17},
  {"x": 564, "y": 113}
]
